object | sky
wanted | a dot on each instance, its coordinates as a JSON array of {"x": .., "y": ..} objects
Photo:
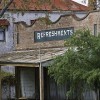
[{"x": 83, "y": 2}]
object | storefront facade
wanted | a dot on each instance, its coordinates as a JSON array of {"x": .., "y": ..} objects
[{"x": 36, "y": 46}]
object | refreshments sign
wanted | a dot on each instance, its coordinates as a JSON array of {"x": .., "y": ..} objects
[{"x": 53, "y": 34}]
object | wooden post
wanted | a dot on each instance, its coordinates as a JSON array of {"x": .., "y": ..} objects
[
  {"x": 0, "y": 85},
  {"x": 17, "y": 82},
  {"x": 41, "y": 79}
]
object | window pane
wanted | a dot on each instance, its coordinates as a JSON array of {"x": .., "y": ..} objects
[
  {"x": 1, "y": 36},
  {"x": 27, "y": 83},
  {"x": 95, "y": 29}
]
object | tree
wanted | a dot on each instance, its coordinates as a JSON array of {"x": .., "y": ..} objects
[
  {"x": 92, "y": 4},
  {"x": 8, "y": 3},
  {"x": 80, "y": 65}
]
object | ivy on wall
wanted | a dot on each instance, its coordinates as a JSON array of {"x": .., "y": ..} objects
[{"x": 7, "y": 77}]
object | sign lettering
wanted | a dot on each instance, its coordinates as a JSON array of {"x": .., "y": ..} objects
[{"x": 54, "y": 34}]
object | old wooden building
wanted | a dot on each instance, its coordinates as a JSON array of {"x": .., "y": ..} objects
[
  {"x": 35, "y": 47},
  {"x": 35, "y": 38}
]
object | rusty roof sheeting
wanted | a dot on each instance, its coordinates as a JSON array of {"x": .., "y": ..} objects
[
  {"x": 4, "y": 22},
  {"x": 46, "y": 5}
]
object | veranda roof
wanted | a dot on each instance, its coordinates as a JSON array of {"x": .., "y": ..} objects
[{"x": 30, "y": 58}]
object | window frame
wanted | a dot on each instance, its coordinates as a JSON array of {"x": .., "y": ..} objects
[
  {"x": 3, "y": 34},
  {"x": 95, "y": 29}
]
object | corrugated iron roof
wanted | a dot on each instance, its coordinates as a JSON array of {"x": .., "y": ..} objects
[
  {"x": 46, "y": 5},
  {"x": 4, "y": 22},
  {"x": 31, "y": 56}
]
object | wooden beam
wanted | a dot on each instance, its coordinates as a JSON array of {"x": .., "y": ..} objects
[
  {"x": 19, "y": 64},
  {"x": 17, "y": 88},
  {"x": 0, "y": 85}
]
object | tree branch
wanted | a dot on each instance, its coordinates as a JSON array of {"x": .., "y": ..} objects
[{"x": 5, "y": 8}]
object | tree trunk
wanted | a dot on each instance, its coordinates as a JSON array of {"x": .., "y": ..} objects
[{"x": 5, "y": 8}]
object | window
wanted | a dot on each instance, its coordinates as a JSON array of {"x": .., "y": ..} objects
[
  {"x": 17, "y": 38},
  {"x": 95, "y": 29},
  {"x": 2, "y": 34}
]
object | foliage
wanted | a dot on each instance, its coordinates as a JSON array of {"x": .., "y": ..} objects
[
  {"x": 80, "y": 65},
  {"x": 92, "y": 4},
  {"x": 7, "y": 77},
  {"x": 5, "y": 74}
]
